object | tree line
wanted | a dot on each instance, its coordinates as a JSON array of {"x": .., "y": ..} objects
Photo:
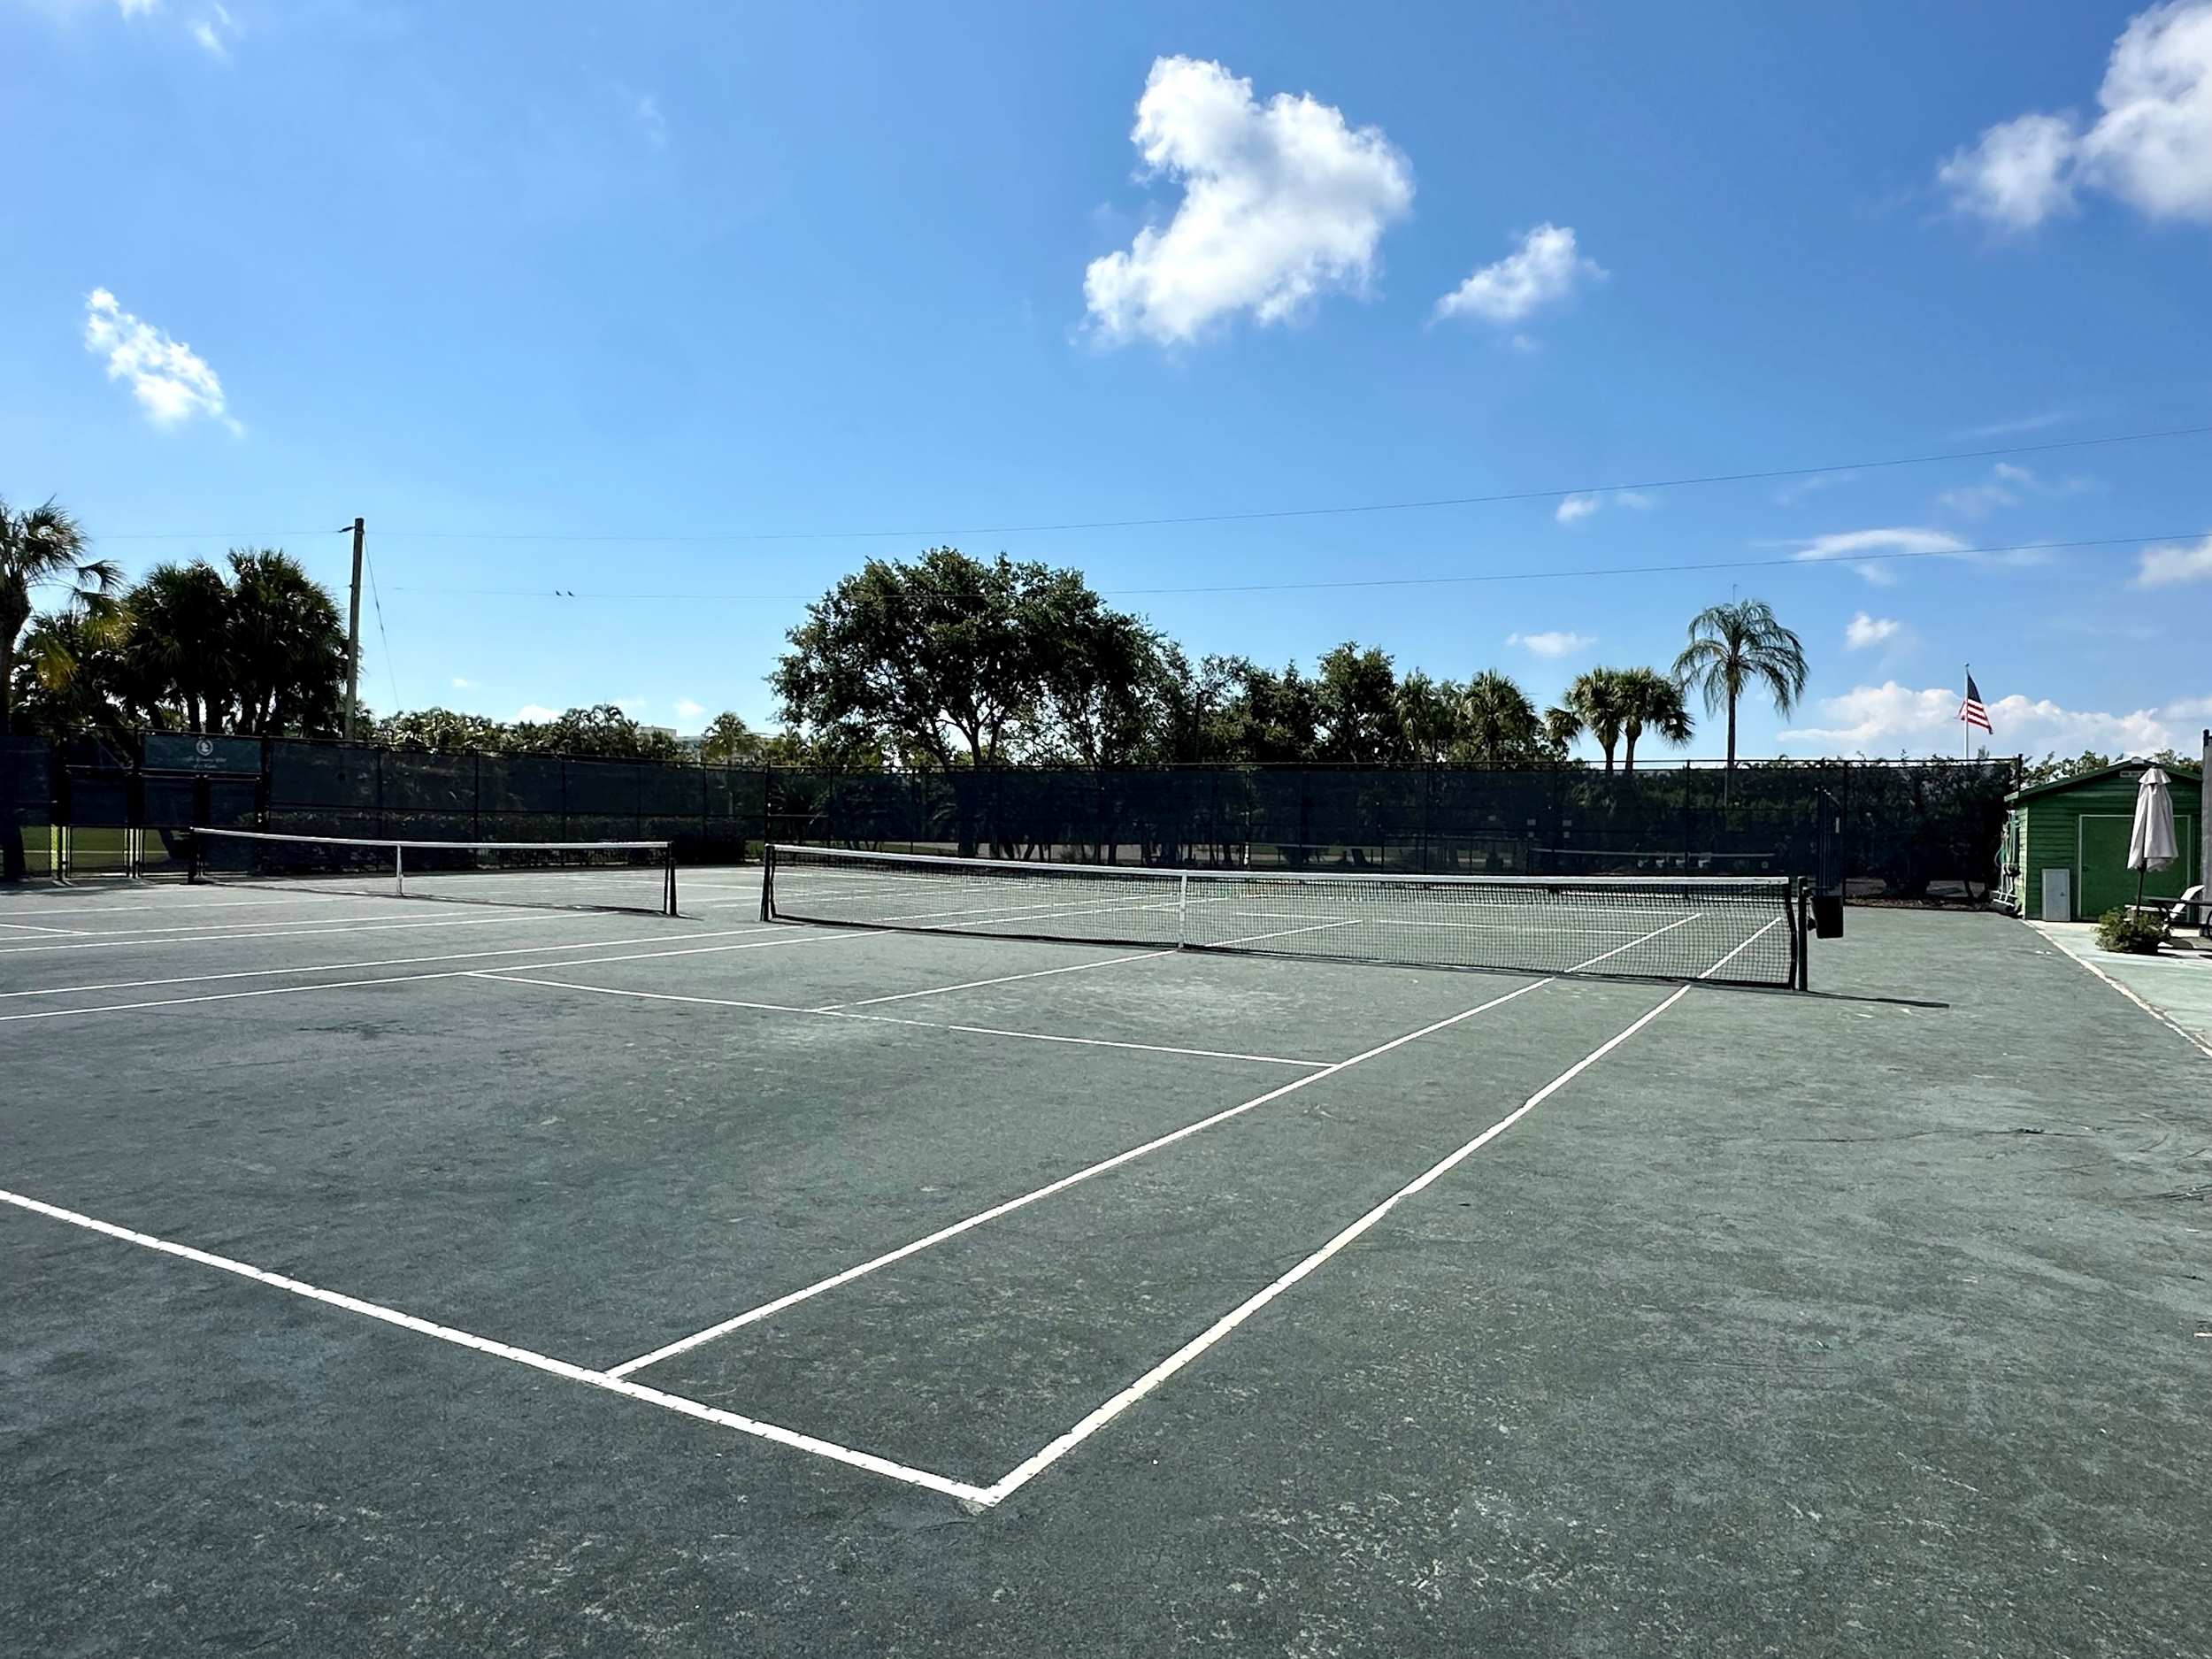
[
  {"x": 255, "y": 648},
  {"x": 952, "y": 661},
  {"x": 941, "y": 662}
]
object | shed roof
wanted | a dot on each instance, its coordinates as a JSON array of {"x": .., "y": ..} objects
[{"x": 2179, "y": 772}]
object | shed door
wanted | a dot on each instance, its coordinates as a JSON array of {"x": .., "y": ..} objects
[{"x": 2105, "y": 879}]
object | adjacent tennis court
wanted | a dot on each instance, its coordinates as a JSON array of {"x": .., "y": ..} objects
[{"x": 562, "y": 1278}]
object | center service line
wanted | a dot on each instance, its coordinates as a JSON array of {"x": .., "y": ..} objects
[{"x": 753, "y": 1315}]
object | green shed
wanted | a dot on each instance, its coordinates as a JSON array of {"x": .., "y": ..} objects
[{"x": 2066, "y": 843}]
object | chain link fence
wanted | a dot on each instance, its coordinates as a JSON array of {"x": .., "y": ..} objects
[{"x": 1906, "y": 830}]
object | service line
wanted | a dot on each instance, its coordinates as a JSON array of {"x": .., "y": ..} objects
[{"x": 860, "y": 1270}]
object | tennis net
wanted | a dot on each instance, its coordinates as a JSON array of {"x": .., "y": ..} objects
[
  {"x": 559, "y": 875},
  {"x": 1742, "y": 929}
]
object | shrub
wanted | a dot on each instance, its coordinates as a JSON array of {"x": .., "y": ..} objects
[{"x": 2137, "y": 931}]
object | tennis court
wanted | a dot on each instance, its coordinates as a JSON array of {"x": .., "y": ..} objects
[{"x": 442, "y": 1277}]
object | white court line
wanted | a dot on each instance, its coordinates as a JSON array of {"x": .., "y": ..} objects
[
  {"x": 1003, "y": 978},
  {"x": 73, "y": 932},
  {"x": 1550, "y": 928},
  {"x": 754, "y": 1426},
  {"x": 753, "y": 1315},
  {"x": 515, "y": 977},
  {"x": 450, "y": 973},
  {"x": 1022, "y": 1473},
  {"x": 595, "y": 944},
  {"x": 1739, "y": 949},
  {"x": 127, "y": 934},
  {"x": 1282, "y": 933},
  {"x": 376, "y": 961},
  {"x": 1632, "y": 943},
  {"x": 191, "y": 904},
  {"x": 2179, "y": 1030},
  {"x": 297, "y": 931}
]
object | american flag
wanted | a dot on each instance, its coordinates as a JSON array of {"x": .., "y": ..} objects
[{"x": 1973, "y": 710}]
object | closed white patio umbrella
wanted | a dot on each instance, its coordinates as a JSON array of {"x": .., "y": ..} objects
[{"x": 2150, "y": 844}]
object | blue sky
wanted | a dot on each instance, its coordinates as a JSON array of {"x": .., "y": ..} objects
[{"x": 665, "y": 302}]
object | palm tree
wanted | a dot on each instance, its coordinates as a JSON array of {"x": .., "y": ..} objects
[
  {"x": 1649, "y": 699},
  {"x": 1561, "y": 727},
  {"x": 41, "y": 546},
  {"x": 1500, "y": 725},
  {"x": 286, "y": 645},
  {"x": 1595, "y": 702},
  {"x": 1735, "y": 647},
  {"x": 1429, "y": 715},
  {"x": 69, "y": 675},
  {"x": 179, "y": 639}
]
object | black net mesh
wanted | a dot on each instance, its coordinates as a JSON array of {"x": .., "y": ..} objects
[
  {"x": 1745, "y": 930},
  {"x": 561, "y": 875}
]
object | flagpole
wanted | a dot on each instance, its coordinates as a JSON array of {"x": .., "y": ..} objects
[{"x": 1966, "y": 731}]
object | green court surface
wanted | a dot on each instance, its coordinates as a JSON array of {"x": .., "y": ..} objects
[{"x": 402, "y": 1276}]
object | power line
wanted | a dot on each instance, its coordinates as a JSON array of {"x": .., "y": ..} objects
[
  {"x": 391, "y": 674},
  {"x": 1801, "y": 560},
  {"x": 724, "y": 538}
]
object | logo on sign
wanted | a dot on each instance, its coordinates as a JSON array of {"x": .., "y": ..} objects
[{"x": 204, "y": 748}]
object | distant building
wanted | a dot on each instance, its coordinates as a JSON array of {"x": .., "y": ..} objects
[{"x": 2066, "y": 842}]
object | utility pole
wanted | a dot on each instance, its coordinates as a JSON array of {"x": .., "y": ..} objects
[{"x": 353, "y": 638}]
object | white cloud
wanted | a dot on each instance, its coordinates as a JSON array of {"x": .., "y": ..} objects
[
  {"x": 536, "y": 711},
  {"x": 1890, "y": 718},
  {"x": 685, "y": 709},
  {"x": 215, "y": 31},
  {"x": 645, "y": 110},
  {"x": 137, "y": 8},
  {"x": 171, "y": 382},
  {"x": 1863, "y": 631},
  {"x": 2013, "y": 428},
  {"x": 2172, "y": 562},
  {"x": 2018, "y": 175},
  {"x": 1543, "y": 270},
  {"x": 1282, "y": 202},
  {"x": 2151, "y": 146},
  {"x": 460, "y": 684},
  {"x": 1556, "y": 644},
  {"x": 1857, "y": 543},
  {"x": 2004, "y": 487},
  {"x": 1977, "y": 501},
  {"x": 1789, "y": 495},
  {"x": 1574, "y": 508}
]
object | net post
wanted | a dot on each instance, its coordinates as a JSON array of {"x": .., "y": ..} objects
[
  {"x": 1799, "y": 939},
  {"x": 768, "y": 881},
  {"x": 1182, "y": 910},
  {"x": 399, "y": 872},
  {"x": 669, "y": 855},
  {"x": 192, "y": 857}
]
